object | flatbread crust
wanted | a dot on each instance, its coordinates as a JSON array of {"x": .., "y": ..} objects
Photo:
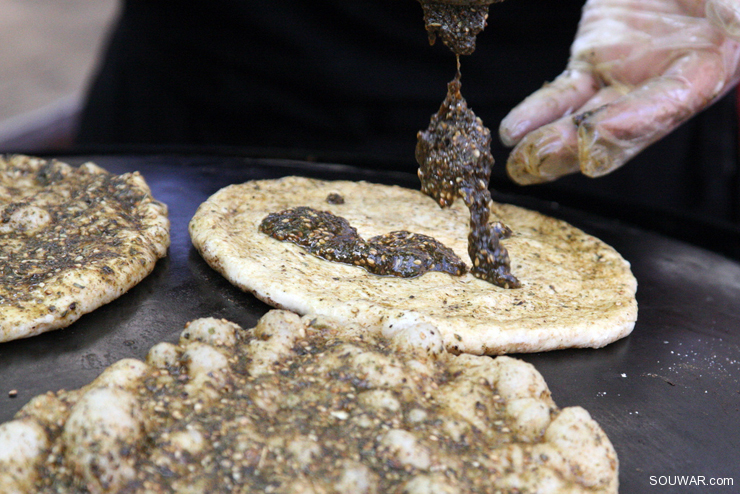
[
  {"x": 576, "y": 290},
  {"x": 71, "y": 240},
  {"x": 300, "y": 406}
]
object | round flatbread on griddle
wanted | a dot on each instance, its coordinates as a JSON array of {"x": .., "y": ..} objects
[
  {"x": 576, "y": 291},
  {"x": 71, "y": 240},
  {"x": 301, "y": 406}
]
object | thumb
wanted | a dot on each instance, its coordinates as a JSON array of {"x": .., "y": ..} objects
[{"x": 725, "y": 14}]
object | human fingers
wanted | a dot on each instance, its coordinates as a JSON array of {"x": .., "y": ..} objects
[
  {"x": 551, "y": 151},
  {"x": 611, "y": 135},
  {"x": 725, "y": 14},
  {"x": 566, "y": 93}
]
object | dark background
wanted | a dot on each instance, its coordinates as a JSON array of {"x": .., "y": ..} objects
[{"x": 332, "y": 80}]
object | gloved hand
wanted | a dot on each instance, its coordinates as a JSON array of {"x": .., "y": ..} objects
[{"x": 637, "y": 70}]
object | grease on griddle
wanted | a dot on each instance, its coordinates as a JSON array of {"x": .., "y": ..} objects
[
  {"x": 456, "y": 25},
  {"x": 455, "y": 160},
  {"x": 331, "y": 237}
]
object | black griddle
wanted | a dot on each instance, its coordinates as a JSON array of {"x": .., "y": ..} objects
[{"x": 668, "y": 396}]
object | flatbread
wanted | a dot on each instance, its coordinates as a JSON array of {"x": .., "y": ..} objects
[
  {"x": 297, "y": 405},
  {"x": 71, "y": 240},
  {"x": 576, "y": 290}
]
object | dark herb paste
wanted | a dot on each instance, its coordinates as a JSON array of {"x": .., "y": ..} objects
[
  {"x": 455, "y": 160},
  {"x": 456, "y": 25},
  {"x": 334, "y": 198},
  {"x": 331, "y": 237}
]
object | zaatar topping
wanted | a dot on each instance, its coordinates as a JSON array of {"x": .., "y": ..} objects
[
  {"x": 331, "y": 237},
  {"x": 454, "y": 153},
  {"x": 334, "y": 198},
  {"x": 71, "y": 240},
  {"x": 41, "y": 242},
  {"x": 304, "y": 405},
  {"x": 455, "y": 160},
  {"x": 456, "y": 25}
]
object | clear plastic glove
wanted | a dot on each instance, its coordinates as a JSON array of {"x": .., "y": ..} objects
[{"x": 637, "y": 70}]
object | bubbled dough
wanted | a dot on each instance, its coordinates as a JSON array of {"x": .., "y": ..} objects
[{"x": 436, "y": 422}]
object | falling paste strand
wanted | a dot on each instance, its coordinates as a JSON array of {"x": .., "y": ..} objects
[{"x": 455, "y": 160}]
